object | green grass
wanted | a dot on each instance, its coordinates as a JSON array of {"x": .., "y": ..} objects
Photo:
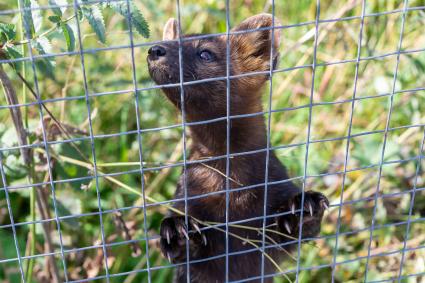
[{"x": 111, "y": 70}]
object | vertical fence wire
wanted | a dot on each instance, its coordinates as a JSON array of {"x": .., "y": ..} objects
[
  {"x": 12, "y": 221},
  {"x": 387, "y": 126},
  {"x": 229, "y": 154},
  {"x": 183, "y": 113},
  {"x": 92, "y": 142},
  {"x": 139, "y": 138},
  {"x": 268, "y": 138},
  {"x": 412, "y": 203},
  {"x": 45, "y": 138},
  {"x": 310, "y": 114},
  {"x": 347, "y": 148}
]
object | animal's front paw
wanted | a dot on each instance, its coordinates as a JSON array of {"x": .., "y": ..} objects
[
  {"x": 314, "y": 205},
  {"x": 174, "y": 232}
]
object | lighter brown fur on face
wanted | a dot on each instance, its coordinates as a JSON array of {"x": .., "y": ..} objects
[{"x": 249, "y": 52}]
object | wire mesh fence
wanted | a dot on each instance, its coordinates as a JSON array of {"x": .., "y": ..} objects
[{"x": 90, "y": 155}]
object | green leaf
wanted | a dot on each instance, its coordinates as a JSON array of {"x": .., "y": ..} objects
[
  {"x": 43, "y": 45},
  {"x": 15, "y": 167},
  {"x": 95, "y": 18},
  {"x": 7, "y": 31},
  {"x": 136, "y": 17},
  {"x": 46, "y": 65},
  {"x": 58, "y": 11},
  {"x": 14, "y": 163},
  {"x": 80, "y": 15},
  {"x": 65, "y": 206},
  {"x": 54, "y": 19},
  {"x": 68, "y": 33},
  {"x": 32, "y": 16},
  {"x": 36, "y": 15},
  {"x": 13, "y": 53},
  {"x": 27, "y": 15}
]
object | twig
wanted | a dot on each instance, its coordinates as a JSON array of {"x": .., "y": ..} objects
[
  {"x": 121, "y": 225},
  {"x": 65, "y": 87},
  {"x": 15, "y": 112},
  {"x": 160, "y": 177},
  {"x": 411, "y": 243},
  {"x": 44, "y": 33},
  {"x": 350, "y": 5},
  {"x": 152, "y": 200},
  {"x": 222, "y": 174},
  {"x": 59, "y": 124},
  {"x": 42, "y": 207}
]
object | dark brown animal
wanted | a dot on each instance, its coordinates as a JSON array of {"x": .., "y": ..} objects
[{"x": 204, "y": 59}]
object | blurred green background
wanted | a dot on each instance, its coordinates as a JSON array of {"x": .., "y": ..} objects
[{"x": 110, "y": 71}]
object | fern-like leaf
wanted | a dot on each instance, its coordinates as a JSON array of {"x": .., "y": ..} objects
[
  {"x": 136, "y": 17},
  {"x": 68, "y": 33},
  {"x": 95, "y": 18},
  {"x": 46, "y": 65}
]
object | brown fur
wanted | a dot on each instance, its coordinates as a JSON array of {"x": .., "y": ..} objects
[{"x": 249, "y": 52}]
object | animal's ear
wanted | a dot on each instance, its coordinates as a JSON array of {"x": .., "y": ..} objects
[
  {"x": 252, "y": 48},
  {"x": 170, "y": 31}
]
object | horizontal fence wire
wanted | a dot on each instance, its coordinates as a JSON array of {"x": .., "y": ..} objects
[{"x": 93, "y": 165}]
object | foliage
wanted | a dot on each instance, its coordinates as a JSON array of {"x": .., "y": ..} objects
[
  {"x": 33, "y": 21},
  {"x": 108, "y": 77}
]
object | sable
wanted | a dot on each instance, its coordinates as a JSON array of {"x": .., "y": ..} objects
[{"x": 203, "y": 59}]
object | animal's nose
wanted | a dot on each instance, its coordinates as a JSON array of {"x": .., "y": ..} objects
[{"x": 157, "y": 51}]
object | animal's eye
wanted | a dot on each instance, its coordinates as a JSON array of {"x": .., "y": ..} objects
[{"x": 206, "y": 55}]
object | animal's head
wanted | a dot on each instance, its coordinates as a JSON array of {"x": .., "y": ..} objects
[{"x": 250, "y": 49}]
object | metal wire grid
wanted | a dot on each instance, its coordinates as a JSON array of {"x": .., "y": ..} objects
[
  {"x": 385, "y": 139},
  {"x": 82, "y": 52}
]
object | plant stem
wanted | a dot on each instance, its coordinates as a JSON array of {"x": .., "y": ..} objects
[
  {"x": 152, "y": 200},
  {"x": 30, "y": 176},
  {"x": 26, "y": 154},
  {"x": 22, "y": 42},
  {"x": 33, "y": 226},
  {"x": 29, "y": 164}
]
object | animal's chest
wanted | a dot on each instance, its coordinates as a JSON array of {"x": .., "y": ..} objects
[{"x": 210, "y": 195}]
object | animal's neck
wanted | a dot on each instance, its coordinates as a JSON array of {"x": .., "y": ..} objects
[
  {"x": 246, "y": 134},
  {"x": 209, "y": 128}
]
